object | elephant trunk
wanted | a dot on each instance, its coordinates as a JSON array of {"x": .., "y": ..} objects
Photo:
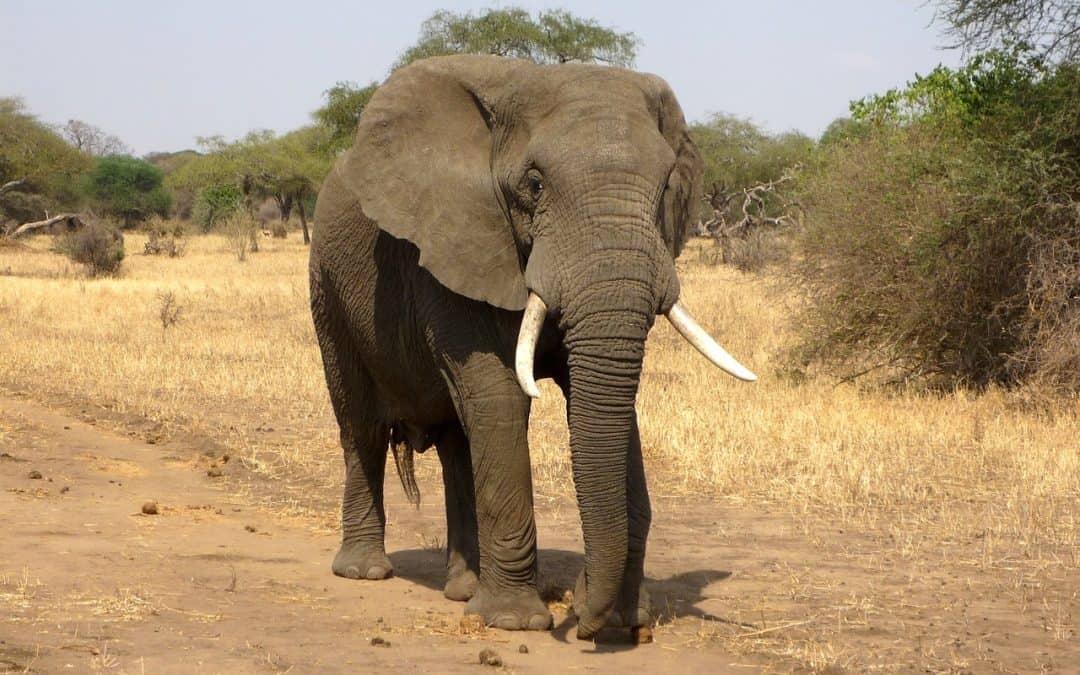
[{"x": 605, "y": 351}]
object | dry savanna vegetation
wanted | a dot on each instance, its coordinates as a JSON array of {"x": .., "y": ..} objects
[{"x": 208, "y": 346}]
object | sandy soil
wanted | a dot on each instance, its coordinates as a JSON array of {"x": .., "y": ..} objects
[{"x": 212, "y": 583}]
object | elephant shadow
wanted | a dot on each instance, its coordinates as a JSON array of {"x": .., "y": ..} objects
[{"x": 672, "y": 598}]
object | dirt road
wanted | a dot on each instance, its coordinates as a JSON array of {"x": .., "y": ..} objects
[
  {"x": 211, "y": 584},
  {"x": 215, "y": 583}
]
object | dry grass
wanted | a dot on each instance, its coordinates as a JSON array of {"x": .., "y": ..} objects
[
  {"x": 245, "y": 358},
  {"x": 921, "y": 471}
]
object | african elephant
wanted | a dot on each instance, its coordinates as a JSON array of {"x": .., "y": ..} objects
[{"x": 495, "y": 220}]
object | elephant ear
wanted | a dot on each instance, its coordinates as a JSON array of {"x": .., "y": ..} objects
[
  {"x": 682, "y": 194},
  {"x": 421, "y": 169}
]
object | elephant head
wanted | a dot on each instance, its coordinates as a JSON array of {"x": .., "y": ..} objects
[{"x": 564, "y": 191}]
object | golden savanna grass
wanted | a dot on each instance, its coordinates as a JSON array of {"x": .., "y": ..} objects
[{"x": 243, "y": 355}]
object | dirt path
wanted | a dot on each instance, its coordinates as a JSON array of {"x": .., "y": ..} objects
[
  {"x": 215, "y": 583},
  {"x": 210, "y": 584}
]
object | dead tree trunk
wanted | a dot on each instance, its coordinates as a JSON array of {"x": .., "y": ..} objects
[{"x": 64, "y": 222}]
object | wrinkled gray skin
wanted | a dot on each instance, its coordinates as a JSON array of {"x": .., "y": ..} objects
[{"x": 474, "y": 180}]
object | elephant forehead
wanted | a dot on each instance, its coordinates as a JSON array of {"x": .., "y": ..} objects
[{"x": 605, "y": 136}]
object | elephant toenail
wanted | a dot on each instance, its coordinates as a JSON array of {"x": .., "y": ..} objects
[
  {"x": 506, "y": 621},
  {"x": 377, "y": 572},
  {"x": 540, "y": 622}
]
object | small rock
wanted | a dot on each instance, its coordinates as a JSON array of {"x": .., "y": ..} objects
[
  {"x": 214, "y": 472},
  {"x": 523, "y": 649},
  {"x": 489, "y": 657},
  {"x": 379, "y": 642},
  {"x": 150, "y": 508},
  {"x": 224, "y": 459},
  {"x": 250, "y": 528},
  {"x": 34, "y": 475},
  {"x": 65, "y": 489}
]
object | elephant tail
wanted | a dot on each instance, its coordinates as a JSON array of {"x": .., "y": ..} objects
[
  {"x": 404, "y": 454},
  {"x": 403, "y": 458}
]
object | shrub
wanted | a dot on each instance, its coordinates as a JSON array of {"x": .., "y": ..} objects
[
  {"x": 279, "y": 229},
  {"x": 755, "y": 252},
  {"x": 943, "y": 243},
  {"x": 242, "y": 231},
  {"x": 169, "y": 310},
  {"x": 164, "y": 238},
  {"x": 97, "y": 246},
  {"x": 216, "y": 203}
]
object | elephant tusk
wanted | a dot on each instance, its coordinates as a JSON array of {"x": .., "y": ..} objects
[
  {"x": 704, "y": 343},
  {"x": 535, "y": 313}
]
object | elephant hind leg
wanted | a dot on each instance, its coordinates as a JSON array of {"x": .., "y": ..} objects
[
  {"x": 364, "y": 440},
  {"x": 462, "y": 547}
]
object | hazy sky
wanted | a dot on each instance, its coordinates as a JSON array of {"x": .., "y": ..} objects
[{"x": 159, "y": 74}]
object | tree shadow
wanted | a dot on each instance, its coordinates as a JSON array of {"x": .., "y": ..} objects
[{"x": 672, "y": 598}]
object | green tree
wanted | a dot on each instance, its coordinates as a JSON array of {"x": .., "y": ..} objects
[
  {"x": 288, "y": 169},
  {"x": 840, "y": 130},
  {"x": 127, "y": 188},
  {"x": 554, "y": 36},
  {"x": 344, "y": 103},
  {"x": 39, "y": 171},
  {"x": 569, "y": 38}
]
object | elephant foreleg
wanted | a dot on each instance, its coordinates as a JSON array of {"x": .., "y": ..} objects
[
  {"x": 462, "y": 552},
  {"x": 496, "y": 419}
]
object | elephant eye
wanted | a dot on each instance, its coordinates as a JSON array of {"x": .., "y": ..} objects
[{"x": 535, "y": 184}]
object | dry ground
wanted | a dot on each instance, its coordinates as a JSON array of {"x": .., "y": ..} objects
[{"x": 799, "y": 525}]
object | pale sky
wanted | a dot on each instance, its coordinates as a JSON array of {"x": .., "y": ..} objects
[{"x": 159, "y": 74}]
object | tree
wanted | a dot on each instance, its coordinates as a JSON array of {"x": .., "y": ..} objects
[
  {"x": 568, "y": 38},
  {"x": 344, "y": 103},
  {"x": 127, "y": 188},
  {"x": 92, "y": 140},
  {"x": 287, "y": 169},
  {"x": 1051, "y": 27},
  {"x": 738, "y": 155},
  {"x": 38, "y": 169},
  {"x": 290, "y": 169},
  {"x": 555, "y": 36}
]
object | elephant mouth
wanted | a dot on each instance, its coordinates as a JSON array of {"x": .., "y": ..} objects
[{"x": 683, "y": 322}]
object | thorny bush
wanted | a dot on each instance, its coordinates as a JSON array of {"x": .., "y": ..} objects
[{"x": 942, "y": 241}]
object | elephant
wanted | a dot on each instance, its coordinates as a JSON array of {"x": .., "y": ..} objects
[{"x": 496, "y": 221}]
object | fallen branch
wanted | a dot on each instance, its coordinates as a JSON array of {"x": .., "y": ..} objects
[
  {"x": 10, "y": 185},
  {"x": 72, "y": 222}
]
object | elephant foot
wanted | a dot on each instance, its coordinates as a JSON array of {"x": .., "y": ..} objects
[
  {"x": 510, "y": 610},
  {"x": 362, "y": 562},
  {"x": 460, "y": 584}
]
